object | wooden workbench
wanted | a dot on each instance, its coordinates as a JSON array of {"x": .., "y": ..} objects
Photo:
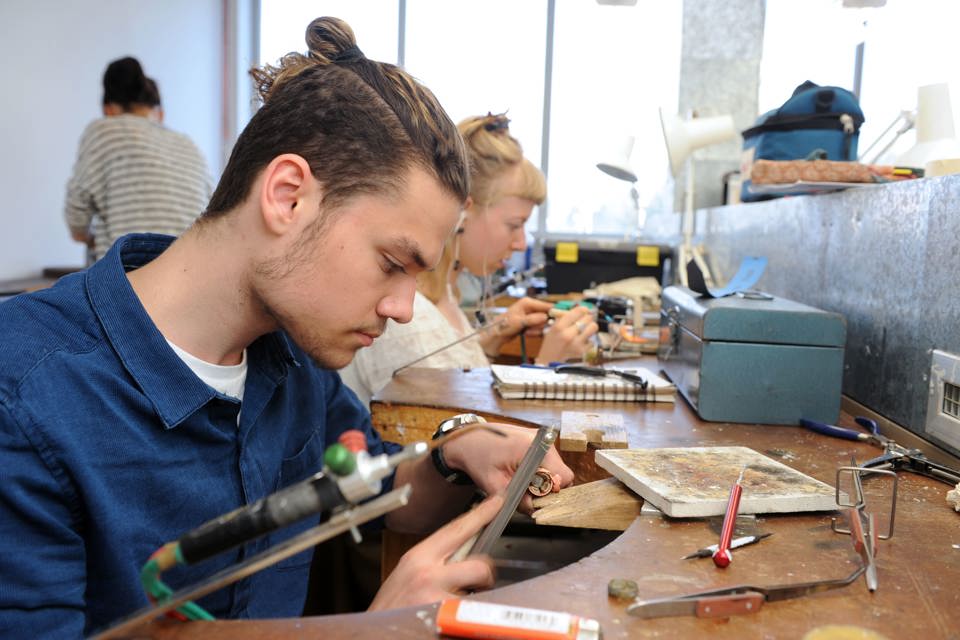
[{"x": 919, "y": 568}]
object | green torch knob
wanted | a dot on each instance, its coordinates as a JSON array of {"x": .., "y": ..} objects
[{"x": 339, "y": 460}]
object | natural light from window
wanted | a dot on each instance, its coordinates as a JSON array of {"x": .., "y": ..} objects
[
  {"x": 613, "y": 67},
  {"x": 283, "y": 25},
  {"x": 906, "y": 46}
]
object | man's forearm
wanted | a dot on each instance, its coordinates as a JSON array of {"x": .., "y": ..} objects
[{"x": 434, "y": 500}]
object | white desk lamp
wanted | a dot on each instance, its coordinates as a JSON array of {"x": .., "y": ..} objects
[
  {"x": 936, "y": 137},
  {"x": 682, "y": 138},
  {"x": 620, "y": 169}
]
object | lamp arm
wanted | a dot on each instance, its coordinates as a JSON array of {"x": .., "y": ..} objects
[{"x": 908, "y": 119}]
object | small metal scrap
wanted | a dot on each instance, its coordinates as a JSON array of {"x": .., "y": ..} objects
[
  {"x": 542, "y": 482},
  {"x": 622, "y": 589}
]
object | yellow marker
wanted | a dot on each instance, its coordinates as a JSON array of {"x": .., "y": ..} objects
[
  {"x": 568, "y": 252},
  {"x": 648, "y": 256}
]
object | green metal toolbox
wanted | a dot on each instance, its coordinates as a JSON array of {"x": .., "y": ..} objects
[{"x": 752, "y": 357}]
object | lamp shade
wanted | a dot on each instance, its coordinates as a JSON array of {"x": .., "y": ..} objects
[
  {"x": 619, "y": 165},
  {"x": 936, "y": 136},
  {"x": 683, "y": 137}
]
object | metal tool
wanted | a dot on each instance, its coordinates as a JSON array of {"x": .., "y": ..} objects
[
  {"x": 736, "y": 543},
  {"x": 600, "y": 372},
  {"x": 722, "y": 556},
  {"x": 487, "y": 327},
  {"x": 862, "y": 528},
  {"x": 898, "y": 458},
  {"x": 730, "y": 601},
  {"x": 895, "y": 457},
  {"x": 873, "y": 436},
  {"x": 333, "y": 494},
  {"x": 546, "y": 435},
  {"x": 340, "y": 522}
]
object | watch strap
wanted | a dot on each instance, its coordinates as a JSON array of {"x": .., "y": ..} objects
[{"x": 453, "y": 476}]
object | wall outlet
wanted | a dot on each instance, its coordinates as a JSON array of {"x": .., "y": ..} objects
[{"x": 943, "y": 405}]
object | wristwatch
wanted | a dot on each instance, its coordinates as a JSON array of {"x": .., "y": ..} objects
[{"x": 450, "y": 425}]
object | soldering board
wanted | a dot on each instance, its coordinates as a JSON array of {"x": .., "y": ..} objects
[{"x": 695, "y": 481}]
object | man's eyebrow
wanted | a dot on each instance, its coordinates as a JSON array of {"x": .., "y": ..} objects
[{"x": 410, "y": 250}]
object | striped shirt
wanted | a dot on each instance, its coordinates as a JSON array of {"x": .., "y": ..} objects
[{"x": 131, "y": 176}]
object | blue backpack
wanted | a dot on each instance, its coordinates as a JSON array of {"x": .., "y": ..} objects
[{"x": 823, "y": 122}]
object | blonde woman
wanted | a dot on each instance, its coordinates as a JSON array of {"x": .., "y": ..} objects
[{"x": 505, "y": 187}]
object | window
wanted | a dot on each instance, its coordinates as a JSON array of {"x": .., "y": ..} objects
[
  {"x": 483, "y": 56},
  {"x": 905, "y": 47},
  {"x": 612, "y": 67},
  {"x": 283, "y": 25}
]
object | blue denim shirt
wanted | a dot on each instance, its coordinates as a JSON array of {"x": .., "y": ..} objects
[{"x": 110, "y": 446}]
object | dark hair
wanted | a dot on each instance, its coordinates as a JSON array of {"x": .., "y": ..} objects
[
  {"x": 125, "y": 84},
  {"x": 151, "y": 93},
  {"x": 359, "y": 124}
]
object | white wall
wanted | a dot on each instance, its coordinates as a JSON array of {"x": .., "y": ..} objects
[{"x": 54, "y": 55}]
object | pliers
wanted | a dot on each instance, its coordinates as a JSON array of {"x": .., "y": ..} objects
[
  {"x": 873, "y": 437},
  {"x": 894, "y": 457}
]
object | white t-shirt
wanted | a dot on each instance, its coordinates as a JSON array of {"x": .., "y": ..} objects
[
  {"x": 228, "y": 380},
  {"x": 400, "y": 344}
]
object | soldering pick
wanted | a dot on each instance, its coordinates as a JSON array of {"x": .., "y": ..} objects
[
  {"x": 736, "y": 543},
  {"x": 722, "y": 557}
]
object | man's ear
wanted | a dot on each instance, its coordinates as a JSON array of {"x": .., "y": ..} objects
[{"x": 287, "y": 181}]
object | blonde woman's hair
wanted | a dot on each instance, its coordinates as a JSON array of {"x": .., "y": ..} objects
[{"x": 493, "y": 155}]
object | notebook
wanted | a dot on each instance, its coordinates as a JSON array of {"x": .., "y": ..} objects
[{"x": 532, "y": 383}]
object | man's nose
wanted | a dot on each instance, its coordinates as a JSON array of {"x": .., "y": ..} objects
[{"x": 398, "y": 304}]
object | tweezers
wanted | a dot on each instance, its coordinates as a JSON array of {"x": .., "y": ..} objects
[{"x": 600, "y": 372}]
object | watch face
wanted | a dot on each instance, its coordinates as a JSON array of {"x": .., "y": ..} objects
[
  {"x": 457, "y": 421},
  {"x": 448, "y": 425}
]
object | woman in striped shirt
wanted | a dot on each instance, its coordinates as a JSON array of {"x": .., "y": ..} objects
[{"x": 132, "y": 175}]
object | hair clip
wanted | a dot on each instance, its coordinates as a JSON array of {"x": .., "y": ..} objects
[
  {"x": 499, "y": 122},
  {"x": 350, "y": 54}
]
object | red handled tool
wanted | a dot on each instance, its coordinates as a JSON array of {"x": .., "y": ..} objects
[{"x": 722, "y": 556}]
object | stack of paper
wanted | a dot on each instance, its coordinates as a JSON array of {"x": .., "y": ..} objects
[{"x": 544, "y": 383}]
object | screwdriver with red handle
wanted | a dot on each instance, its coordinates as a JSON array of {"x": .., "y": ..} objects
[{"x": 722, "y": 556}]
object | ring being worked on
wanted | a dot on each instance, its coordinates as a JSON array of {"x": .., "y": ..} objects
[{"x": 542, "y": 482}]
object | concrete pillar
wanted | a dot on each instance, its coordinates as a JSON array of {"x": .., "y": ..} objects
[{"x": 719, "y": 74}]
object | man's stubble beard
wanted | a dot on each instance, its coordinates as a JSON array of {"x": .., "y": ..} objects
[{"x": 320, "y": 347}]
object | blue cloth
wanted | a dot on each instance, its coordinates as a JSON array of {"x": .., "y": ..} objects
[{"x": 110, "y": 446}]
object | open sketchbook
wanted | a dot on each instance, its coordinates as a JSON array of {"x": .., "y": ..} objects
[{"x": 515, "y": 382}]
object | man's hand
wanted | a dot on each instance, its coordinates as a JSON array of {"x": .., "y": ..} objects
[
  {"x": 491, "y": 460},
  {"x": 422, "y": 574},
  {"x": 82, "y": 235}
]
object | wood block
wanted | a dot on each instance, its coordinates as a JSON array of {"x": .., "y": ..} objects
[
  {"x": 603, "y": 504},
  {"x": 603, "y": 430},
  {"x": 696, "y": 481}
]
